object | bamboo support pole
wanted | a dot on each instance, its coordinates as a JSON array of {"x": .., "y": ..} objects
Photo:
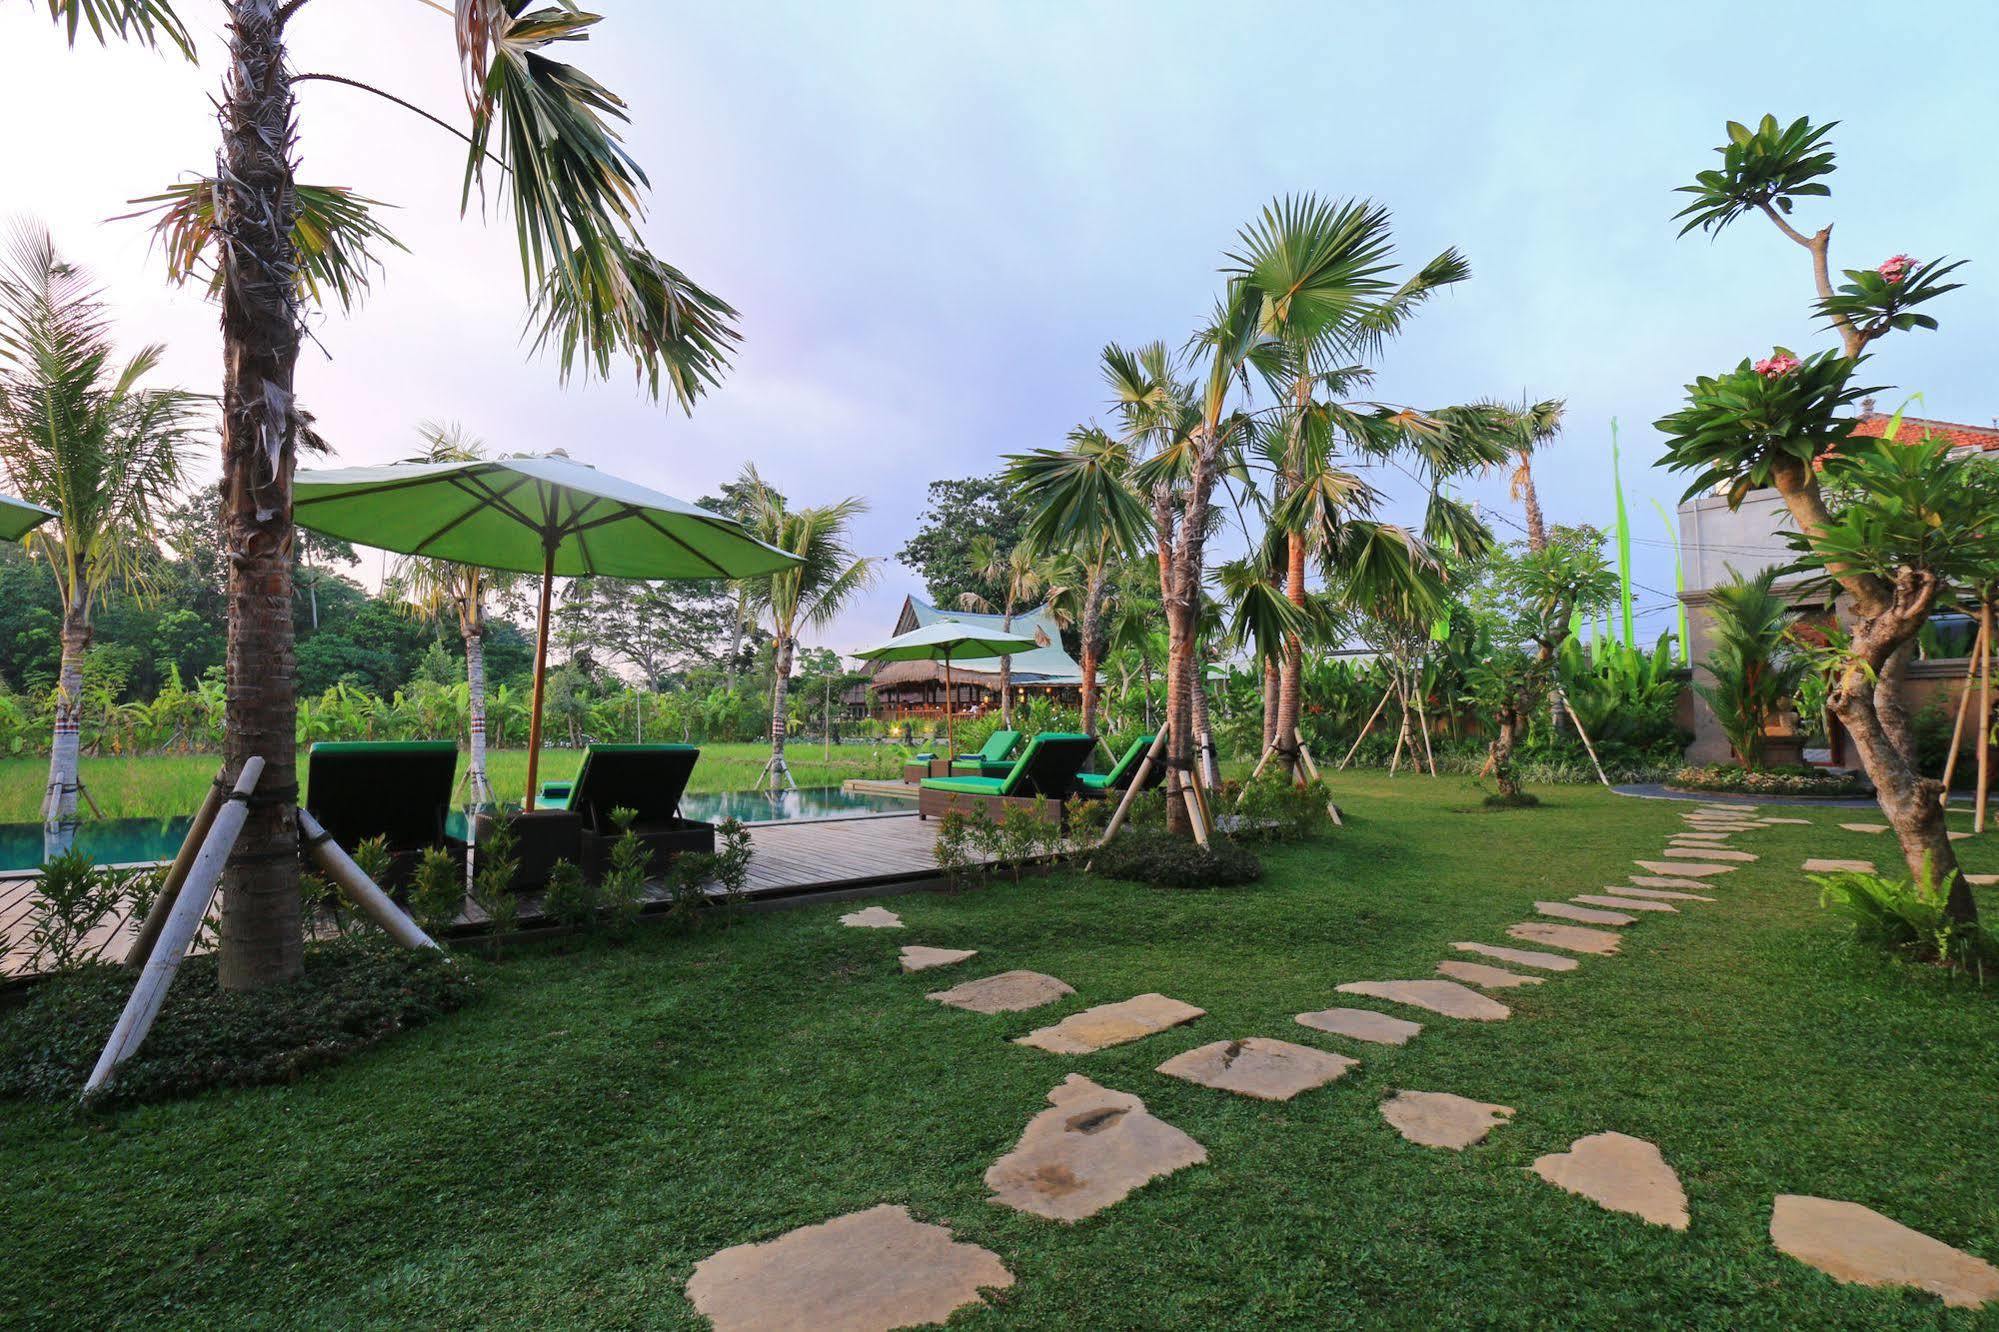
[
  {"x": 1423, "y": 727},
  {"x": 1587, "y": 743},
  {"x": 1984, "y": 717},
  {"x": 163, "y": 903},
  {"x": 1137, "y": 785},
  {"x": 183, "y": 922},
  {"x": 1978, "y": 648},
  {"x": 357, "y": 887},
  {"x": 1312, "y": 770},
  {"x": 1372, "y": 718}
]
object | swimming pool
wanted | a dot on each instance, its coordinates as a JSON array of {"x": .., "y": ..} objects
[{"x": 135, "y": 841}]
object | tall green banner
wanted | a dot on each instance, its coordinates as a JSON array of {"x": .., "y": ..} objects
[{"x": 1623, "y": 541}]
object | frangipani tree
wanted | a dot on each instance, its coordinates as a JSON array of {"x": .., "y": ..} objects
[
  {"x": 542, "y": 134},
  {"x": 79, "y": 435},
  {"x": 1780, "y": 422}
]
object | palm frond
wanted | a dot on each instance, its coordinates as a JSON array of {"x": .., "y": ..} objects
[{"x": 148, "y": 22}]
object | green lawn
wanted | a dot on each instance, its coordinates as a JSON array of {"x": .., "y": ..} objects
[
  {"x": 564, "y": 1151},
  {"x": 165, "y": 784}
]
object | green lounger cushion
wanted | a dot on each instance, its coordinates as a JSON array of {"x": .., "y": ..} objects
[
  {"x": 555, "y": 795},
  {"x": 991, "y": 760},
  {"x": 1120, "y": 774},
  {"x": 967, "y": 785},
  {"x": 1047, "y": 767}
]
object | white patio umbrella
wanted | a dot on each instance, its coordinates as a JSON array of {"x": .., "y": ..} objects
[
  {"x": 534, "y": 513},
  {"x": 948, "y": 641}
]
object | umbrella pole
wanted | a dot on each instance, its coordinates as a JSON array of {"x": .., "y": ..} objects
[
  {"x": 950, "y": 746},
  {"x": 540, "y": 673}
]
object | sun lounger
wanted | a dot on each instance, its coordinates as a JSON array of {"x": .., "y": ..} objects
[
  {"x": 1120, "y": 775},
  {"x": 397, "y": 790},
  {"x": 1043, "y": 776},
  {"x": 993, "y": 759},
  {"x": 648, "y": 780}
]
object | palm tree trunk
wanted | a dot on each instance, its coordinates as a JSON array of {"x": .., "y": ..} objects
[
  {"x": 1290, "y": 692},
  {"x": 65, "y": 748},
  {"x": 1093, "y": 610},
  {"x": 1530, "y": 500},
  {"x": 480, "y": 790},
  {"x": 780, "y": 690},
  {"x": 1273, "y": 686},
  {"x": 1006, "y": 674},
  {"x": 735, "y": 641},
  {"x": 1201, "y": 722},
  {"x": 255, "y": 203}
]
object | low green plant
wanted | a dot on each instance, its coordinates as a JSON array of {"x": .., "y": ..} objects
[
  {"x": 1020, "y": 834},
  {"x": 1907, "y": 917},
  {"x": 1786, "y": 779},
  {"x": 569, "y": 899},
  {"x": 734, "y": 850},
  {"x": 437, "y": 891},
  {"x": 954, "y": 850},
  {"x": 1272, "y": 808},
  {"x": 1154, "y": 856},
  {"x": 76, "y": 899},
  {"x": 624, "y": 884},
  {"x": 1087, "y": 821},
  {"x": 493, "y": 883}
]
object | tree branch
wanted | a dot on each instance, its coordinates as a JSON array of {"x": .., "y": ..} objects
[{"x": 441, "y": 123}]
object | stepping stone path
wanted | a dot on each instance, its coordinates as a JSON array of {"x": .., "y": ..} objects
[
  {"x": 915, "y": 957},
  {"x": 1856, "y": 1244},
  {"x": 1439, "y": 1119},
  {"x": 1839, "y": 867},
  {"x": 1008, "y": 992},
  {"x": 1572, "y": 937},
  {"x": 1700, "y": 837},
  {"x": 1711, "y": 853},
  {"x": 1439, "y": 996},
  {"x": 1654, "y": 881},
  {"x": 1106, "y": 1025},
  {"x": 1091, "y": 1148},
  {"x": 1256, "y": 1066},
  {"x": 872, "y": 918},
  {"x": 1587, "y": 915},
  {"x": 1622, "y": 903},
  {"x": 862, "y": 1272},
  {"x": 1865, "y": 827},
  {"x": 1520, "y": 957},
  {"x": 1362, "y": 1024},
  {"x": 1487, "y": 978},
  {"x": 1621, "y": 1173},
  {"x": 1664, "y": 895},
  {"x": 1803, "y": 823},
  {"x": 1680, "y": 868}
]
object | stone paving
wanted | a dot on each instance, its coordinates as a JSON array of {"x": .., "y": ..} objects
[
  {"x": 1442, "y": 1119},
  {"x": 1091, "y": 1148},
  {"x": 1623, "y": 903},
  {"x": 1575, "y": 938},
  {"x": 1621, "y": 1173},
  {"x": 1823, "y": 866},
  {"x": 916, "y": 957},
  {"x": 872, "y": 918},
  {"x": 1258, "y": 1067},
  {"x": 1106, "y": 1025},
  {"x": 1361, "y": 1024},
  {"x": 1008, "y": 992},
  {"x": 1520, "y": 957},
  {"x": 1485, "y": 977},
  {"x": 1858, "y": 1245},
  {"x": 1587, "y": 915},
  {"x": 1438, "y": 996}
]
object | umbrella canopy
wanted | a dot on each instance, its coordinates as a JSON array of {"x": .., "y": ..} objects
[
  {"x": 18, "y": 518},
  {"x": 540, "y": 514},
  {"x": 948, "y": 641}
]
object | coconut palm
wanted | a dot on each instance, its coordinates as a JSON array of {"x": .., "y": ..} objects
[
  {"x": 1530, "y": 427},
  {"x": 1020, "y": 574},
  {"x": 433, "y": 589},
  {"x": 826, "y": 581},
  {"x": 79, "y": 435},
  {"x": 543, "y": 134}
]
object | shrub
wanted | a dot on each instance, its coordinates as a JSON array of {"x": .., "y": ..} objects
[
  {"x": 77, "y": 898},
  {"x": 355, "y": 992},
  {"x": 731, "y": 867},
  {"x": 493, "y": 883},
  {"x": 624, "y": 885},
  {"x": 1272, "y": 808},
  {"x": 569, "y": 898},
  {"x": 437, "y": 891},
  {"x": 1021, "y": 835},
  {"x": 954, "y": 850},
  {"x": 1088, "y": 819},
  {"x": 1785, "y": 780},
  {"x": 1906, "y": 917},
  {"x": 1152, "y": 856}
]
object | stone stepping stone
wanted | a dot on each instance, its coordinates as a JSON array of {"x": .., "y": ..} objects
[
  {"x": 1106, "y": 1025},
  {"x": 1680, "y": 867},
  {"x": 1621, "y": 1173},
  {"x": 872, "y": 918},
  {"x": 1709, "y": 853},
  {"x": 1520, "y": 957},
  {"x": 1362, "y": 1024},
  {"x": 1439, "y": 1119},
  {"x": 1860, "y": 1246},
  {"x": 1662, "y": 894},
  {"x": 1587, "y": 915},
  {"x": 1865, "y": 827},
  {"x": 1802, "y": 823},
  {"x": 1701, "y": 837},
  {"x": 877, "y": 1269},
  {"x": 1256, "y": 1066},
  {"x": 1622, "y": 903},
  {"x": 916, "y": 957},
  {"x": 1817, "y": 866},
  {"x": 1958, "y": 836},
  {"x": 1007, "y": 992},
  {"x": 1654, "y": 881},
  {"x": 1091, "y": 1148},
  {"x": 1439, "y": 996},
  {"x": 1572, "y": 937},
  {"x": 1485, "y": 977},
  {"x": 1982, "y": 880}
]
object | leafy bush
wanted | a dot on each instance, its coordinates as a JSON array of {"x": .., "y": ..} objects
[
  {"x": 1153, "y": 856},
  {"x": 624, "y": 886},
  {"x": 1272, "y": 808},
  {"x": 437, "y": 891},
  {"x": 78, "y": 898},
  {"x": 954, "y": 850},
  {"x": 570, "y": 899},
  {"x": 1784, "y": 780},
  {"x": 1908, "y": 918},
  {"x": 731, "y": 862},
  {"x": 493, "y": 883},
  {"x": 355, "y": 991}
]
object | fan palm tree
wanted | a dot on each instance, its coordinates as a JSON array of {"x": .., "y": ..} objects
[
  {"x": 826, "y": 581},
  {"x": 79, "y": 435},
  {"x": 1755, "y": 669},
  {"x": 1020, "y": 574},
  {"x": 1532, "y": 426},
  {"x": 433, "y": 589},
  {"x": 544, "y": 134}
]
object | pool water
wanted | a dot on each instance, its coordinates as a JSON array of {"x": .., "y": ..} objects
[{"x": 134, "y": 841}]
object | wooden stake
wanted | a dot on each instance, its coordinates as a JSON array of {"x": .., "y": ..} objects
[
  {"x": 1578, "y": 723},
  {"x": 1137, "y": 784},
  {"x": 156, "y": 918},
  {"x": 1984, "y": 717},
  {"x": 1372, "y": 718},
  {"x": 1978, "y": 648},
  {"x": 183, "y": 923},
  {"x": 357, "y": 887}
]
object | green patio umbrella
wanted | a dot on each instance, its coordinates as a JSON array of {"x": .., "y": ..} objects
[
  {"x": 533, "y": 513},
  {"x": 948, "y": 641},
  {"x": 18, "y": 518}
]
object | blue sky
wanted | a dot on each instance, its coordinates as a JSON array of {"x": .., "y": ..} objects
[{"x": 933, "y": 216}]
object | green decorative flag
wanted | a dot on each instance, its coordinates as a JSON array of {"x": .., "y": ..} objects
[
  {"x": 1679, "y": 579},
  {"x": 1623, "y": 540}
]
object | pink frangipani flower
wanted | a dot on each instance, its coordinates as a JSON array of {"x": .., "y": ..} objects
[
  {"x": 1770, "y": 367},
  {"x": 1897, "y": 268}
]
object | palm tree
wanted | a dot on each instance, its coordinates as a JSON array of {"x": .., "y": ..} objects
[
  {"x": 79, "y": 435},
  {"x": 1020, "y": 575},
  {"x": 1754, "y": 668},
  {"x": 1084, "y": 508},
  {"x": 544, "y": 133},
  {"x": 1533, "y": 426},
  {"x": 828, "y": 578},
  {"x": 433, "y": 589}
]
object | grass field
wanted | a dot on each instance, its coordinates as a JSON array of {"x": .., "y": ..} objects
[
  {"x": 563, "y": 1152},
  {"x": 160, "y": 785}
]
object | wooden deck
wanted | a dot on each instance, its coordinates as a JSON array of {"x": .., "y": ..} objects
[{"x": 800, "y": 860}]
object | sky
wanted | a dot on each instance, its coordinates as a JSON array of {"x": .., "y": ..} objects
[{"x": 932, "y": 218}]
